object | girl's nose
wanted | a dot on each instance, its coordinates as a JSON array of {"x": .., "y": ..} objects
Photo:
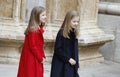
[
  {"x": 76, "y": 23},
  {"x": 45, "y": 16}
]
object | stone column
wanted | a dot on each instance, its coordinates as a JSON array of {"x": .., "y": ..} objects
[
  {"x": 12, "y": 18},
  {"x": 109, "y": 8},
  {"x": 91, "y": 37}
]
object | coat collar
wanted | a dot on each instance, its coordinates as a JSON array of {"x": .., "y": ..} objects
[{"x": 41, "y": 29}]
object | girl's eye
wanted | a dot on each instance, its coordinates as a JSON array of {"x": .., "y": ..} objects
[
  {"x": 44, "y": 15},
  {"x": 74, "y": 21}
]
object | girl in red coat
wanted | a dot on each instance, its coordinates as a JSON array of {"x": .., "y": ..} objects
[{"x": 32, "y": 56}]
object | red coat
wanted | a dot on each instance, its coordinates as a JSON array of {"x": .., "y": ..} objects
[{"x": 32, "y": 55}]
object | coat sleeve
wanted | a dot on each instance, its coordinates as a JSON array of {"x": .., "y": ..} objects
[
  {"x": 35, "y": 48},
  {"x": 59, "y": 48}
]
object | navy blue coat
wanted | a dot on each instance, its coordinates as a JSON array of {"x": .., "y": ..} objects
[{"x": 64, "y": 50}]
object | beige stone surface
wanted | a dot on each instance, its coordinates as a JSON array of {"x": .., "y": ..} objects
[
  {"x": 91, "y": 37},
  {"x": 6, "y": 8},
  {"x": 11, "y": 40}
]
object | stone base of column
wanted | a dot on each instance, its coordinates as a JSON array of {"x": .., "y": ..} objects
[
  {"x": 89, "y": 55},
  {"x": 9, "y": 55}
]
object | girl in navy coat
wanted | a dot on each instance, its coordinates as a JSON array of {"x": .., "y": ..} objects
[{"x": 65, "y": 62}]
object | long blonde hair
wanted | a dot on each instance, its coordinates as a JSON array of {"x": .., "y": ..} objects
[
  {"x": 34, "y": 21},
  {"x": 66, "y": 24}
]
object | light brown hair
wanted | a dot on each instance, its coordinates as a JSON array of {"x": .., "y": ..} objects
[
  {"x": 66, "y": 24},
  {"x": 34, "y": 21}
]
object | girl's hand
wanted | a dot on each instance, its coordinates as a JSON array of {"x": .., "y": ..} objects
[
  {"x": 72, "y": 61},
  {"x": 43, "y": 60}
]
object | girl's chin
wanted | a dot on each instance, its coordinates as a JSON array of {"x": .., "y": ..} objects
[
  {"x": 73, "y": 27},
  {"x": 43, "y": 21}
]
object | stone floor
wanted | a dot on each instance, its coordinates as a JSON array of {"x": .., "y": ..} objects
[{"x": 106, "y": 69}]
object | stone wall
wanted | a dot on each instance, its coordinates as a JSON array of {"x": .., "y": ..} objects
[
  {"x": 12, "y": 28},
  {"x": 11, "y": 32},
  {"x": 109, "y": 21},
  {"x": 32, "y": 3},
  {"x": 110, "y": 24},
  {"x": 110, "y": 0}
]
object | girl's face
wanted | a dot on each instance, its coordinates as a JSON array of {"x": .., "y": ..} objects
[
  {"x": 43, "y": 17},
  {"x": 75, "y": 21}
]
